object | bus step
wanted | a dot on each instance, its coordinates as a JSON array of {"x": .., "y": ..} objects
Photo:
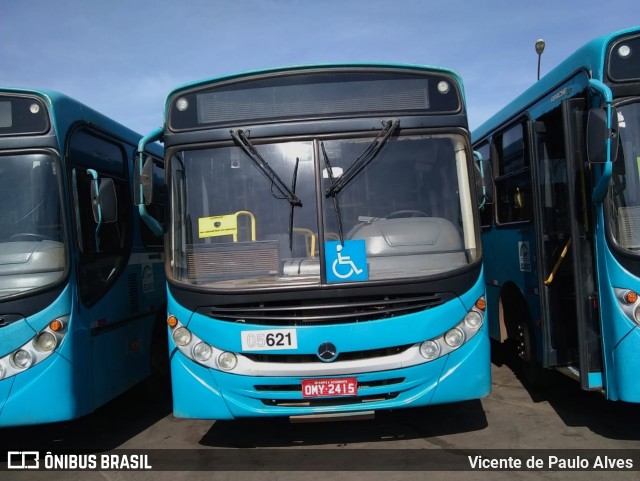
[
  {"x": 570, "y": 371},
  {"x": 319, "y": 418}
]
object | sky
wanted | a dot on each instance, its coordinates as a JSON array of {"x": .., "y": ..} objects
[{"x": 122, "y": 57}]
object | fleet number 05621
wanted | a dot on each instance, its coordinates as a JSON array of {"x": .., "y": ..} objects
[{"x": 269, "y": 340}]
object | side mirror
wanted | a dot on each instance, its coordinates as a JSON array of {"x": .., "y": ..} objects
[
  {"x": 483, "y": 179},
  {"x": 598, "y": 133},
  {"x": 108, "y": 201},
  {"x": 143, "y": 180},
  {"x": 104, "y": 201}
]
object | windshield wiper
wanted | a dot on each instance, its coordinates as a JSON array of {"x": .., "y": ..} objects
[
  {"x": 336, "y": 186},
  {"x": 293, "y": 206},
  {"x": 336, "y": 206},
  {"x": 287, "y": 193},
  {"x": 367, "y": 156},
  {"x": 242, "y": 140}
]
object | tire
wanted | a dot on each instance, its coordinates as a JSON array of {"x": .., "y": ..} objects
[{"x": 522, "y": 344}]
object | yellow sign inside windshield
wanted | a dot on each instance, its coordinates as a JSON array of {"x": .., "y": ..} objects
[{"x": 218, "y": 225}]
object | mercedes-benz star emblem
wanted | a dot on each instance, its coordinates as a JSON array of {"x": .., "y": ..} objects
[{"x": 327, "y": 352}]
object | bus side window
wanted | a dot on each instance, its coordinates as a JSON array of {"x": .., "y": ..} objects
[{"x": 513, "y": 180}]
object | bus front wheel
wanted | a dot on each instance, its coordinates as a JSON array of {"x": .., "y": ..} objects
[{"x": 521, "y": 339}]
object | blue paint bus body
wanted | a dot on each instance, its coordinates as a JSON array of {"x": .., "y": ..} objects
[
  {"x": 365, "y": 167},
  {"x": 78, "y": 303},
  {"x": 561, "y": 241}
]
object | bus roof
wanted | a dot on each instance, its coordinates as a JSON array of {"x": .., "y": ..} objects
[
  {"x": 66, "y": 111},
  {"x": 589, "y": 57},
  {"x": 293, "y": 68}
]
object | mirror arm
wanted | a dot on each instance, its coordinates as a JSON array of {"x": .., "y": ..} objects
[
  {"x": 601, "y": 187},
  {"x": 152, "y": 223},
  {"x": 96, "y": 206}
]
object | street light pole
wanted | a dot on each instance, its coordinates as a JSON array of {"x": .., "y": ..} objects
[{"x": 539, "y": 50}]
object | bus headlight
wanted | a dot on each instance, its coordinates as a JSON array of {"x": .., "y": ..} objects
[
  {"x": 46, "y": 342},
  {"x": 36, "y": 350},
  {"x": 473, "y": 320},
  {"x": 624, "y": 51},
  {"x": 629, "y": 303},
  {"x": 227, "y": 361},
  {"x": 182, "y": 104},
  {"x": 454, "y": 337},
  {"x": 205, "y": 354},
  {"x": 443, "y": 87},
  {"x": 172, "y": 321},
  {"x": 430, "y": 350},
  {"x": 630, "y": 297},
  {"x": 22, "y": 359},
  {"x": 182, "y": 336},
  {"x": 202, "y": 352}
]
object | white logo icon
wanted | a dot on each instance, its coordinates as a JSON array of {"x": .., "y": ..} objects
[
  {"x": 23, "y": 460},
  {"x": 344, "y": 261}
]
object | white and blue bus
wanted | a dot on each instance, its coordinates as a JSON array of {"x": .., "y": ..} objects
[
  {"x": 562, "y": 239},
  {"x": 323, "y": 249},
  {"x": 82, "y": 280}
]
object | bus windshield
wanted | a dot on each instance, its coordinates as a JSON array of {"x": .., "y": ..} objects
[
  {"x": 625, "y": 182},
  {"x": 32, "y": 251},
  {"x": 232, "y": 226}
]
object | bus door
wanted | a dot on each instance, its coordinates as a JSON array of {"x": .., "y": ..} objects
[
  {"x": 107, "y": 288},
  {"x": 582, "y": 233},
  {"x": 565, "y": 244}
]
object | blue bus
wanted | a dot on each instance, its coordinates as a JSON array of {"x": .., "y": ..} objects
[
  {"x": 82, "y": 283},
  {"x": 562, "y": 237},
  {"x": 322, "y": 248}
]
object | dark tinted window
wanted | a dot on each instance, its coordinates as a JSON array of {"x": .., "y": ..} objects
[
  {"x": 510, "y": 151},
  {"x": 513, "y": 182},
  {"x": 23, "y": 115},
  {"x": 624, "y": 60},
  {"x": 305, "y": 94},
  {"x": 94, "y": 152}
]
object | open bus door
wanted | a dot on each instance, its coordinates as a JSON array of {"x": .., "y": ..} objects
[
  {"x": 582, "y": 231},
  {"x": 564, "y": 233}
]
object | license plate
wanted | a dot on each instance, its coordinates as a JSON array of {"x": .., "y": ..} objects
[
  {"x": 269, "y": 340},
  {"x": 346, "y": 386}
]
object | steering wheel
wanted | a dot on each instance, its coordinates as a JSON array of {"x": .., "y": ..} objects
[
  {"x": 29, "y": 236},
  {"x": 402, "y": 214}
]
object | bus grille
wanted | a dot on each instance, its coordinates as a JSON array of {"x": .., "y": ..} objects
[
  {"x": 343, "y": 356},
  {"x": 337, "y": 401},
  {"x": 298, "y": 387},
  {"x": 345, "y": 311}
]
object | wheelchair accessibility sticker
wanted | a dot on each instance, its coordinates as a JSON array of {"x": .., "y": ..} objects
[{"x": 346, "y": 263}]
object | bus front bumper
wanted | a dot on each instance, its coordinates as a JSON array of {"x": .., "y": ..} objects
[
  {"x": 204, "y": 393},
  {"x": 42, "y": 394}
]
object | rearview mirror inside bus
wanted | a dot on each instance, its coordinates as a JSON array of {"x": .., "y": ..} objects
[
  {"x": 143, "y": 181},
  {"x": 598, "y": 133}
]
